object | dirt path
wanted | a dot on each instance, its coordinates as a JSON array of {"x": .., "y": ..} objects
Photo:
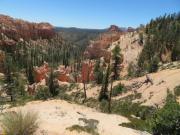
[{"x": 56, "y": 115}]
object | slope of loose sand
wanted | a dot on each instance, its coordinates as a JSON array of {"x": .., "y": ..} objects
[
  {"x": 154, "y": 94},
  {"x": 151, "y": 95},
  {"x": 56, "y": 115}
]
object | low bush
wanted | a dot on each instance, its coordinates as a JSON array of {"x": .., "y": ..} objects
[
  {"x": 127, "y": 108},
  {"x": 103, "y": 106},
  {"x": 137, "y": 124},
  {"x": 138, "y": 115},
  {"x": 167, "y": 119},
  {"x": 92, "y": 102},
  {"x": 120, "y": 88},
  {"x": 42, "y": 93},
  {"x": 90, "y": 126},
  {"x": 65, "y": 96},
  {"x": 18, "y": 123},
  {"x": 177, "y": 91},
  {"x": 22, "y": 100},
  {"x": 79, "y": 129},
  {"x": 72, "y": 86},
  {"x": 132, "y": 70}
]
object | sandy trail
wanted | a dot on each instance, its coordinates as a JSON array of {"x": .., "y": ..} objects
[{"x": 56, "y": 115}]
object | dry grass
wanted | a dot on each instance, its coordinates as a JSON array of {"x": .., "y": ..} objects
[{"x": 19, "y": 123}]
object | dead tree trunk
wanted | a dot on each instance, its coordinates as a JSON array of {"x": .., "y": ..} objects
[
  {"x": 148, "y": 80},
  {"x": 85, "y": 95}
]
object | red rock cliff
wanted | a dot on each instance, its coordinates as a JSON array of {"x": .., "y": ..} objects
[
  {"x": 12, "y": 30},
  {"x": 98, "y": 48}
]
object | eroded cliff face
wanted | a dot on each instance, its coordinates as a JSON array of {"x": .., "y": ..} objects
[
  {"x": 131, "y": 48},
  {"x": 13, "y": 30},
  {"x": 98, "y": 48}
]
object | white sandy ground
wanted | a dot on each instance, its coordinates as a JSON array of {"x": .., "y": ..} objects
[
  {"x": 151, "y": 94},
  {"x": 56, "y": 115},
  {"x": 156, "y": 94}
]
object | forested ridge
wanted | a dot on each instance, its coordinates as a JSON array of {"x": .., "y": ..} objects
[{"x": 162, "y": 42}]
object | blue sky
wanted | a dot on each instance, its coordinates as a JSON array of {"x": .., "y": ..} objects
[{"x": 89, "y": 13}]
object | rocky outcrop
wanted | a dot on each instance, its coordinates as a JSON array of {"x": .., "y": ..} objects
[
  {"x": 130, "y": 49},
  {"x": 114, "y": 28},
  {"x": 98, "y": 48},
  {"x": 92, "y": 52},
  {"x": 63, "y": 73},
  {"x": 87, "y": 72},
  {"x": 13, "y": 30},
  {"x": 40, "y": 73},
  {"x": 130, "y": 29}
]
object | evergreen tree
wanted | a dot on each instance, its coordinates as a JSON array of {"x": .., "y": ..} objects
[
  {"x": 153, "y": 65},
  {"x": 30, "y": 71},
  {"x": 51, "y": 84},
  {"x": 9, "y": 78},
  {"x": 110, "y": 93},
  {"x": 117, "y": 60},
  {"x": 162, "y": 42},
  {"x": 19, "y": 83},
  {"x": 167, "y": 120},
  {"x": 104, "y": 89},
  {"x": 98, "y": 72}
]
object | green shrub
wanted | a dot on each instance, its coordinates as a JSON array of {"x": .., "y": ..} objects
[
  {"x": 18, "y": 123},
  {"x": 132, "y": 70},
  {"x": 104, "y": 106},
  {"x": 22, "y": 100},
  {"x": 167, "y": 120},
  {"x": 79, "y": 129},
  {"x": 177, "y": 91},
  {"x": 129, "y": 109},
  {"x": 72, "y": 86},
  {"x": 90, "y": 126},
  {"x": 2, "y": 103},
  {"x": 92, "y": 102},
  {"x": 153, "y": 65},
  {"x": 137, "y": 124},
  {"x": 118, "y": 90},
  {"x": 42, "y": 93},
  {"x": 65, "y": 96}
]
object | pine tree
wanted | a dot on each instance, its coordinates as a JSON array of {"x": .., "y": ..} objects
[
  {"x": 51, "y": 84},
  {"x": 98, "y": 71},
  {"x": 30, "y": 71},
  {"x": 104, "y": 89},
  {"x": 19, "y": 83},
  {"x": 162, "y": 39},
  {"x": 110, "y": 93},
  {"x": 117, "y": 60},
  {"x": 9, "y": 77}
]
